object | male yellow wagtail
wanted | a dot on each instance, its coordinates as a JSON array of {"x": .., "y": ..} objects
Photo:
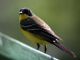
[{"x": 36, "y": 30}]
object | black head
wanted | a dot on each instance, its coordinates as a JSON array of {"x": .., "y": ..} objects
[{"x": 25, "y": 11}]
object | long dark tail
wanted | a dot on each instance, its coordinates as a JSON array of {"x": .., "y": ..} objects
[{"x": 60, "y": 46}]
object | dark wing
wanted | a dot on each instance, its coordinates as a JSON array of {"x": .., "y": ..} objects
[{"x": 30, "y": 25}]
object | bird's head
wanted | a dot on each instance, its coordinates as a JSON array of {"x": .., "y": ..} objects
[{"x": 24, "y": 13}]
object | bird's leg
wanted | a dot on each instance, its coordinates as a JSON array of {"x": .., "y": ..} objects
[
  {"x": 45, "y": 49},
  {"x": 38, "y": 46}
]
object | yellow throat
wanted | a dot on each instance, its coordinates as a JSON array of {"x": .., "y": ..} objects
[{"x": 23, "y": 16}]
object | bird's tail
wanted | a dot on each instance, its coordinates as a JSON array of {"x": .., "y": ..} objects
[{"x": 60, "y": 46}]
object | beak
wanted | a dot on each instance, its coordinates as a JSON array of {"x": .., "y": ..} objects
[{"x": 20, "y": 12}]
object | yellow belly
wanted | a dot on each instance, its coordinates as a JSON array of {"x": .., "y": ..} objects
[{"x": 34, "y": 38}]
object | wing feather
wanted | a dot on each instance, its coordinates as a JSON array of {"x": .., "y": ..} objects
[
  {"x": 36, "y": 26},
  {"x": 45, "y": 26}
]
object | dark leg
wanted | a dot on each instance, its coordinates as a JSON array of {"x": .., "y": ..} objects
[
  {"x": 38, "y": 46},
  {"x": 45, "y": 49}
]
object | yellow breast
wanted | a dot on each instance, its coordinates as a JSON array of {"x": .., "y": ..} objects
[{"x": 34, "y": 38}]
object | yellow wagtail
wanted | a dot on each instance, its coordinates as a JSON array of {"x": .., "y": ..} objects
[{"x": 36, "y": 30}]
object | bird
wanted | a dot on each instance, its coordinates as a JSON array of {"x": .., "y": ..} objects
[{"x": 39, "y": 32}]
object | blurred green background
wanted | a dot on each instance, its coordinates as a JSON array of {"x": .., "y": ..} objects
[{"x": 62, "y": 15}]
